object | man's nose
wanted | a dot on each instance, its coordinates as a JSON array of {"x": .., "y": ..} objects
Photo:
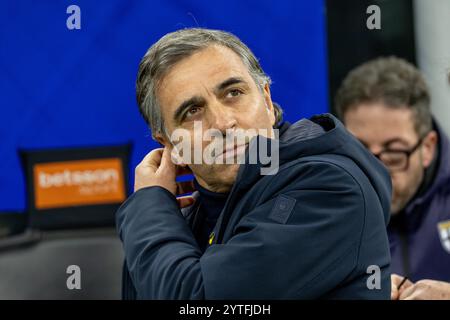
[
  {"x": 375, "y": 150},
  {"x": 222, "y": 118}
]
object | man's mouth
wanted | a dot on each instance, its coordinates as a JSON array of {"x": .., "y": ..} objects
[{"x": 236, "y": 150}]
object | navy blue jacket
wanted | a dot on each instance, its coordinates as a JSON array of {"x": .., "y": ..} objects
[
  {"x": 420, "y": 236},
  {"x": 310, "y": 231}
]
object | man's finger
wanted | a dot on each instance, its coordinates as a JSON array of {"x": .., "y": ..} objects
[
  {"x": 167, "y": 167},
  {"x": 413, "y": 296},
  {"x": 406, "y": 284},
  {"x": 394, "y": 292},
  {"x": 184, "y": 202},
  {"x": 153, "y": 158},
  {"x": 407, "y": 292},
  {"x": 396, "y": 279}
]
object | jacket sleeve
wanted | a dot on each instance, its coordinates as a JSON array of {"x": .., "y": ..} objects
[{"x": 301, "y": 243}]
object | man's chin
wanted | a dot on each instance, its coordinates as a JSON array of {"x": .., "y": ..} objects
[
  {"x": 220, "y": 178},
  {"x": 396, "y": 208},
  {"x": 226, "y": 174}
]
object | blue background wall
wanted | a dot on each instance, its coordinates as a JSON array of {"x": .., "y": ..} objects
[{"x": 63, "y": 87}]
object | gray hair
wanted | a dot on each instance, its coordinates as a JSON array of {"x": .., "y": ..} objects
[
  {"x": 391, "y": 80},
  {"x": 174, "y": 47}
]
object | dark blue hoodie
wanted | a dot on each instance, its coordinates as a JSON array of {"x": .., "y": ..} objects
[
  {"x": 420, "y": 235},
  {"x": 313, "y": 230}
]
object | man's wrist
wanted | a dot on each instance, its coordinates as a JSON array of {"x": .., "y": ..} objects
[
  {"x": 155, "y": 188},
  {"x": 146, "y": 193}
]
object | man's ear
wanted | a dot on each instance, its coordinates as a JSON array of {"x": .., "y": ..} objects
[
  {"x": 175, "y": 155},
  {"x": 269, "y": 104},
  {"x": 429, "y": 148},
  {"x": 162, "y": 140}
]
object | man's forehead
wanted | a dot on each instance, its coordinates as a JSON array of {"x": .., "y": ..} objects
[
  {"x": 204, "y": 69},
  {"x": 377, "y": 124},
  {"x": 212, "y": 61},
  {"x": 379, "y": 114}
]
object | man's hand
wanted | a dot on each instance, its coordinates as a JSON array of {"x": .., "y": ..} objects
[
  {"x": 395, "y": 282},
  {"x": 427, "y": 290},
  {"x": 157, "y": 169}
]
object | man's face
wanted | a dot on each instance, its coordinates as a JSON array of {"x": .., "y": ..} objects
[
  {"x": 213, "y": 86},
  {"x": 380, "y": 128}
]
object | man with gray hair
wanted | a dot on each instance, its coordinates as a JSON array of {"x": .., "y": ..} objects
[{"x": 310, "y": 226}]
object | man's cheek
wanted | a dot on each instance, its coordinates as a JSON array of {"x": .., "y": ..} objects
[
  {"x": 398, "y": 189},
  {"x": 395, "y": 182}
]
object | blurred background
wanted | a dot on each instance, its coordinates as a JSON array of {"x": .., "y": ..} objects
[{"x": 70, "y": 95}]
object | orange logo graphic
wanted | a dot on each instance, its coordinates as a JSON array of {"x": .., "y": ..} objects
[{"x": 78, "y": 183}]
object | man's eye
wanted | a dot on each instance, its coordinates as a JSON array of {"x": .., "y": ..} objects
[
  {"x": 192, "y": 111},
  {"x": 234, "y": 93}
]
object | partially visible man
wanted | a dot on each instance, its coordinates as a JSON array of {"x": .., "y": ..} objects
[
  {"x": 313, "y": 227},
  {"x": 385, "y": 103}
]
